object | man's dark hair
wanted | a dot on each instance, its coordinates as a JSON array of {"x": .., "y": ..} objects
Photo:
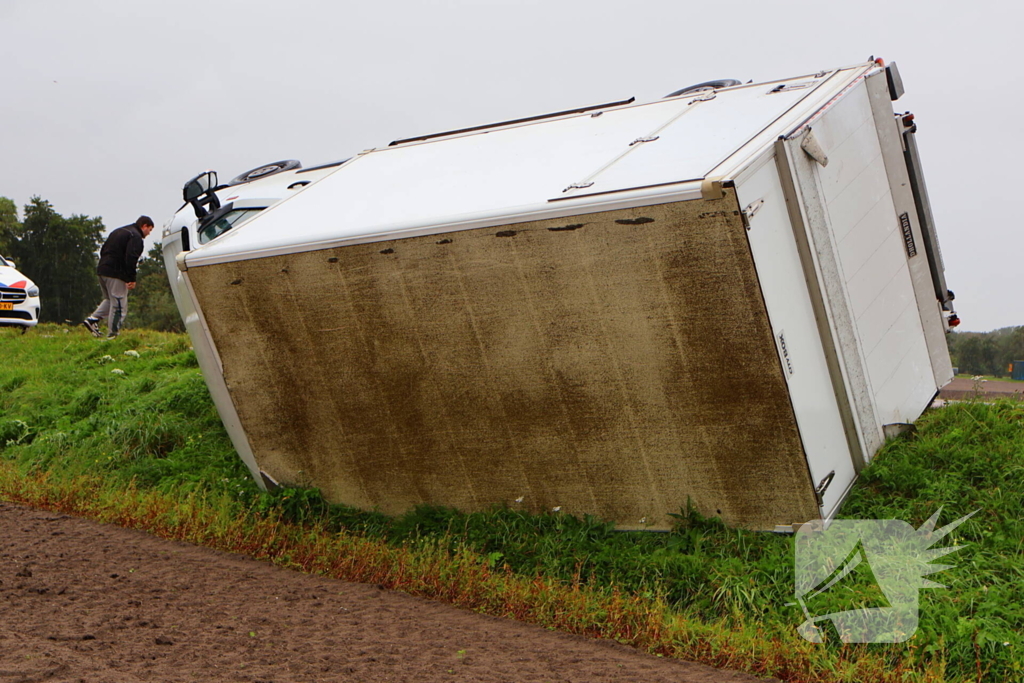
[{"x": 143, "y": 220}]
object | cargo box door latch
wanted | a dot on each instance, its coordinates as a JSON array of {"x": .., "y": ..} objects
[
  {"x": 813, "y": 148},
  {"x": 819, "y": 491}
]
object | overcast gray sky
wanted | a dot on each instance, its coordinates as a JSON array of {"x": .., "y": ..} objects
[{"x": 107, "y": 107}]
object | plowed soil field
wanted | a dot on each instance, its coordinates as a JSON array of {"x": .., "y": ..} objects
[{"x": 80, "y": 601}]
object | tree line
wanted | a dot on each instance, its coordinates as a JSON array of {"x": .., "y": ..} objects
[
  {"x": 986, "y": 353},
  {"x": 60, "y": 254}
]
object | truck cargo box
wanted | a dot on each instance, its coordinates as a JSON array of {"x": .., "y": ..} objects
[{"x": 725, "y": 298}]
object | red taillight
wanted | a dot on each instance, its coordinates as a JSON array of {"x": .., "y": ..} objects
[{"x": 953, "y": 320}]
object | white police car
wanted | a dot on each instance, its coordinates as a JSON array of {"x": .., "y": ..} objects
[{"x": 19, "y": 298}]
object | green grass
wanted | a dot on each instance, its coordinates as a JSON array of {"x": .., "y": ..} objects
[{"x": 67, "y": 420}]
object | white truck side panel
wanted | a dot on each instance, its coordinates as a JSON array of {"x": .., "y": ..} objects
[
  {"x": 822, "y": 271},
  {"x": 889, "y": 137},
  {"x": 792, "y": 318},
  {"x": 863, "y": 220}
]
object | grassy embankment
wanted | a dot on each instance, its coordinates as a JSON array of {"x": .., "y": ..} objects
[{"x": 89, "y": 428}]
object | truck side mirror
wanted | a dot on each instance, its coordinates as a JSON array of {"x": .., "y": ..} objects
[
  {"x": 199, "y": 192},
  {"x": 200, "y": 185}
]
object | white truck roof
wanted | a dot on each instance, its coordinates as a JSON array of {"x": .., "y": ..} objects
[{"x": 536, "y": 169}]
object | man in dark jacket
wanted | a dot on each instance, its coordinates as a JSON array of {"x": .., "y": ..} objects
[{"x": 119, "y": 257}]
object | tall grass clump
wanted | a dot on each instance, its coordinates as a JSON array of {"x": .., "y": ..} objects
[{"x": 133, "y": 438}]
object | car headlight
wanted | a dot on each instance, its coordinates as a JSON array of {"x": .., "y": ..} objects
[{"x": 32, "y": 291}]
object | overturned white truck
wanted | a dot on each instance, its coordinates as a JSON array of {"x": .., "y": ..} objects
[{"x": 726, "y": 297}]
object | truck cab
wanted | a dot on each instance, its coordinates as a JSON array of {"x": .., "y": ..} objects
[{"x": 213, "y": 209}]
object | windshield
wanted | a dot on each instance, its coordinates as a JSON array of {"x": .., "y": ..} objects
[{"x": 225, "y": 223}]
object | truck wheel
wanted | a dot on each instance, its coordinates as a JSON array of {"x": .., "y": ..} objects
[{"x": 265, "y": 170}]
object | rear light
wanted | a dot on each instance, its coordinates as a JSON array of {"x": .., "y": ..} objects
[{"x": 954, "y": 320}]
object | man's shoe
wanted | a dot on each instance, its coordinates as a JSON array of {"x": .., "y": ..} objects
[{"x": 90, "y": 324}]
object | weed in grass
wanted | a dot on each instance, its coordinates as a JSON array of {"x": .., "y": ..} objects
[
  {"x": 15, "y": 433},
  {"x": 11, "y": 383},
  {"x": 138, "y": 434}
]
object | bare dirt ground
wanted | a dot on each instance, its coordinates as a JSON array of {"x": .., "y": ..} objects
[
  {"x": 962, "y": 387},
  {"x": 80, "y": 601}
]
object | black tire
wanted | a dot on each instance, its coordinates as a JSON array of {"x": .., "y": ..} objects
[
  {"x": 265, "y": 170},
  {"x": 707, "y": 85}
]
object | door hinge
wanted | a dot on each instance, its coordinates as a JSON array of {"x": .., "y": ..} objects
[{"x": 750, "y": 211}]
